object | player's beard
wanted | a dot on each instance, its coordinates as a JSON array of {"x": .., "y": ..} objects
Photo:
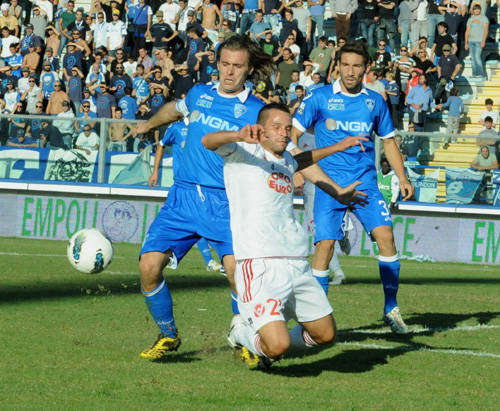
[{"x": 355, "y": 89}]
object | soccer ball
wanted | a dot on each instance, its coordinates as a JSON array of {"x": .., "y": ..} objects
[{"x": 90, "y": 251}]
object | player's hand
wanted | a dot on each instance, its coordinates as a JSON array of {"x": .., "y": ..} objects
[
  {"x": 298, "y": 180},
  {"x": 350, "y": 196},
  {"x": 153, "y": 180},
  {"x": 251, "y": 133},
  {"x": 407, "y": 190},
  {"x": 141, "y": 128},
  {"x": 349, "y": 142}
]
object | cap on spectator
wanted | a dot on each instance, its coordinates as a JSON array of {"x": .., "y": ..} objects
[
  {"x": 86, "y": 90},
  {"x": 29, "y": 26},
  {"x": 65, "y": 103},
  {"x": 182, "y": 66},
  {"x": 190, "y": 13},
  {"x": 447, "y": 47},
  {"x": 25, "y": 70},
  {"x": 9, "y": 81},
  {"x": 215, "y": 72},
  {"x": 46, "y": 63},
  {"x": 159, "y": 13},
  {"x": 4, "y": 6},
  {"x": 32, "y": 44},
  {"x": 117, "y": 12}
]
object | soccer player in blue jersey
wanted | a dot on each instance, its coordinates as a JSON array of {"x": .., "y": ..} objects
[
  {"x": 337, "y": 111},
  {"x": 175, "y": 136},
  {"x": 197, "y": 204}
]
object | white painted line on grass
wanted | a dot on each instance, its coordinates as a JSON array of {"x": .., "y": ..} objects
[
  {"x": 418, "y": 330},
  {"x": 423, "y": 349}
]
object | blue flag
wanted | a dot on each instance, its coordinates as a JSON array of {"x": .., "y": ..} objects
[{"x": 462, "y": 184}]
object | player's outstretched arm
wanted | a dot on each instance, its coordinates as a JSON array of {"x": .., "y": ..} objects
[
  {"x": 166, "y": 115},
  {"x": 248, "y": 134},
  {"x": 153, "y": 179},
  {"x": 306, "y": 158},
  {"x": 395, "y": 159}
]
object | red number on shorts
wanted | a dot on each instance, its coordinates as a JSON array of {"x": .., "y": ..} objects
[{"x": 275, "y": 304}]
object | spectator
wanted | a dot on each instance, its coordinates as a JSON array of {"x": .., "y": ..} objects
[
  {"x": 169, "y": 10},
  {"x": 7, "y": 40},
  {"x": 317, "y": 83},
  {"x": 230, "y": 11},
  {"x": 299, "y": 96},
  {"x": 386, "y": 27},
  {"x": 22, "y": 141},
  {"x": 141, "y": 25},
  {"x": 119, "y": 82},
  {"x": 118, "y": 134},
  {"x": 285, "y": 69},
  {"x": 403, "y": 67},
  {"x": 47, "y": 80},
  {"x": 55, "y": 104},
  {"x": 100, "y": 32},
  {"x": 32, "y": 96},
  {"x": 248, "y": 15},
  {"x": 388, "y": 183},
  {"x": 40, "y": 19},
  {"x": 317, "y": 10},
  {"x": 115, "y": 33},
  {"x": 87, "y": 114},
  {"x": 485, "y": 160},
  {"x": 447, "y": 70},
  {"x": 475, "y": 39},
  {"x": 211, "y": 18},
  {"x": 455, "y": 107},
  {"x": 374, "y": 84},
  {"x": 162, "y": 33},
  {"x": 11, "y": 97},
  {"x": 15, "y": 61},
  {"x": 9, "y": 21},
  {"x": 406, "y": 19},
  {"x": 145, "y": 60},
  {"x": 342, "y": 12},
  {"x": 30, "y": 38},
  {"x": 65, "y": 126},
  {"x": 88, "y": 97},
  {"x": 382, "y": 58},
  {"x": 31, "y": 59},
  {"x": 195, "y": 45},
  {"x": 442, "y": 39},
  {"x": 87, "y": 141},
  {"x": 50, "y": 137},
  {"x": 183, "y": 83},
  {"x": 294, "y": 48},
  {"x": 33, "y": 128},
  {"x": 73, "y": 58},
  {"x": 367, "y": 11},
  {"x": 419, "y": 101},
  {"x": 66, "y": 18},
  {"x": 75, "y": 87},
  {"x": 452, "y": 17},
  {"x": 17, "y": 124},
  {"x": 23, "y": 82},
  {"x": 321, "y": 56},
  {"x": 78, "y": 25},
  {"x": 53, "y": 60},
  {"x": 489, "y": 112},
  {"x": 304, "y": 23},
  {"x": 305, "y": 77},
  {"x": 392, "y": 92},
  {"x": 105, "y": 102},
  {"x": 488, "y": 135},
  {"x": 205, "y": 65},
  {"x": 128, "y": 105},
  {"x": 259, "y": 27},
  {"x": 140, "y": 85}
]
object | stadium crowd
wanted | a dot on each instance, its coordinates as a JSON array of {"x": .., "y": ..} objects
[{"x": 125, "y": 58}]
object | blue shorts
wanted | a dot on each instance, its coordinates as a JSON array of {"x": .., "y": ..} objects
[
  {"x": 191, "y": 212},
  {"x": 329, "y": 213}
]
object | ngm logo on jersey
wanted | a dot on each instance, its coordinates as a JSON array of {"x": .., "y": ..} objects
[
  {"x": 212, "y": 121},
  {"x": 353, "y": 126},
  {"x": 280, "y": 182}
]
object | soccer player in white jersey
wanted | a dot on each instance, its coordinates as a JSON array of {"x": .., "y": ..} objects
[
  {"x": 342, "y": 109},
  {"x": 273, "y": 277}
]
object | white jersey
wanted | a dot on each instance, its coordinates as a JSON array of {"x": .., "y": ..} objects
[
  {"x": 307, "y": 142},
  {"x": 259, "y": 187}
]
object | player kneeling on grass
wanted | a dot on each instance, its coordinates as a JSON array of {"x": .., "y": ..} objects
[{"x": 273, "y": 277}]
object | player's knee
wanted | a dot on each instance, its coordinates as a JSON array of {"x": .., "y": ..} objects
[
  {"x": 327, "y": 336},
  {"x": 150, "y": 269},
  {"x": 277, "y": 347}
]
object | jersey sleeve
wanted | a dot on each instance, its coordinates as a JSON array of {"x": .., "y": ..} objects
[
  {"x": 169, "y": 137},
  {"x": 307, "y": 113},
  {"x": 384, "y": 126}
]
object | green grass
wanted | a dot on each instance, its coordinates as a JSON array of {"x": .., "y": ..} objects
[{"x": 72, "y": 341}]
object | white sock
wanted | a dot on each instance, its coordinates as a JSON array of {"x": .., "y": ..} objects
[
  {"x": 300, "y": 338},
  {"x": 247, "y": 337},
  {"x": 320, "y": 273},
  {"x": 335, "y": 264}
]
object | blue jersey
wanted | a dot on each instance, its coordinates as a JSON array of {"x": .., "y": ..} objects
[
  {"x": 209, "y": 112},
  {"x": 335, "y": 116},
  {"x": 141, "y": 87},
  {"x": 128, "y": 106},
  {"x": 175, "y": 136}
]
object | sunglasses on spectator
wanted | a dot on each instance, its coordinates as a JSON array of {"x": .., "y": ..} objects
[
  {"x": 86, "y": 106},
  {"x": 31, "y": 81},
  {"x": 39, "y": 106},
  {"x": 404, "y": 49},
  {"x": 57, "y": 85}
]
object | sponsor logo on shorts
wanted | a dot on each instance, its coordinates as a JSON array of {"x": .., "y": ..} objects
[{"x": 259, "y": 310}]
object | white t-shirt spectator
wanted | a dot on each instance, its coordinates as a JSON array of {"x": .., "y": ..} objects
[
  {"x": 6, "y": 42},
  {"x": 87, "y": 142},
  {"x": 116, "y": 31},
  {"x": 493, "y": 114},
  {"x": 65, "y": 127},
  {"x": 169, "y": 13}
]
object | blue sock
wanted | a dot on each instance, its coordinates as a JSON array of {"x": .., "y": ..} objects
[
  {"x": 389, "y": 274},
  {"x": 204, "y": 250},
  {"x": 234, "y": 303},
  {"x": 323, "y": 278},
  {"x": 159, "y": 302}
]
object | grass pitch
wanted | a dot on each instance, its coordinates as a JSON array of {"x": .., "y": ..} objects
[{"x": 72, "y": 341}]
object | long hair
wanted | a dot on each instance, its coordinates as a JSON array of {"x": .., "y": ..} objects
[{"x": 261, "y": 62}]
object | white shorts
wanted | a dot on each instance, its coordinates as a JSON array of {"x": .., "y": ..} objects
[{"x": 278, "y": 289}]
